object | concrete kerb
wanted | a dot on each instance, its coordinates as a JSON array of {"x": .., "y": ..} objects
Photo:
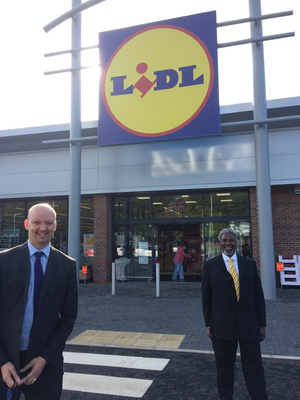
[{"x": 206, "y": 352}]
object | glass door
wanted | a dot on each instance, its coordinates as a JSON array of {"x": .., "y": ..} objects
[
  {"x": 141, "y": 247},
  {"x": 169, "y": 236}
]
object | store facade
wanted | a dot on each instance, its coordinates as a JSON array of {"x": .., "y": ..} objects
[
  {"x": 146, "y": 198},
  {"x": 149, "y": 227}
]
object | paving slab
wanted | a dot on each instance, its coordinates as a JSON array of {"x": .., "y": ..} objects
[{"x": 135, "y": 308}]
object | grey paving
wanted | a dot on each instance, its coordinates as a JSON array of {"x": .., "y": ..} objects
[{"x": 178, "y": 310}]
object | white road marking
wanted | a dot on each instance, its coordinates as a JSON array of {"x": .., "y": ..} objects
[
  {"x": 106, "y": 385},
  {"x": 152, "y": 364}
]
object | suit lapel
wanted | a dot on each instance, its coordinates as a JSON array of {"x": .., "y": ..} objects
[
  {"x": 222, "y": 264},
  {"x": 241, "y": 268},
  {"x": 24, "y": 267},
  {"x": 50, "y": 269},
  {"x": 222, "y": 261}
]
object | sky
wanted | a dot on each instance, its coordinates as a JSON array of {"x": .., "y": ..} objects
[{"x": 28, "y": 98}]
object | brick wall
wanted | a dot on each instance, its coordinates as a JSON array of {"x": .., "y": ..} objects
[
  {"x": 286, "y": 223},
  {"x": 102, "y": 238}
]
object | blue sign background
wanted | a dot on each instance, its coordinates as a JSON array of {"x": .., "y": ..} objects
[{"x": 206, "y": 123}]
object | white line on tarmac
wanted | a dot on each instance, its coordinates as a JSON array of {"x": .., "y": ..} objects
[
  {"x": 273, "y": 356},
  {"x": 277, "y": 357},
  {"x": 146, "y": 363},
  {"x": 106, "y": 385}
]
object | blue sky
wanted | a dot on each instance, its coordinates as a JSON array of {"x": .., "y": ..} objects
[{"x": 29, "y": 98}]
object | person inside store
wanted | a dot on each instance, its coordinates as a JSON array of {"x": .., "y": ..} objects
[
  {"x": 192, "y": 262},
  {"x": 178, "y": 262},
  {"x": 234, "y": 312},
  {"x": 38, "y": 308}
]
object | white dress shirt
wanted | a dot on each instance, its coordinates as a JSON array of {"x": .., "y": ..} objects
[
  {"x": 235, "y": 262},
  {"x": 28, "y": 316}
]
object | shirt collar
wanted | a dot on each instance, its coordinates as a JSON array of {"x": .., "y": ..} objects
[
  {"x": 32, "y": 249},
  {"x": 233, "y": 257}
]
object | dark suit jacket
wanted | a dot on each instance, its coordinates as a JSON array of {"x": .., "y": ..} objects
[
  {"x": 229, "y": 319},
  {"x": 56, "y": 314}
]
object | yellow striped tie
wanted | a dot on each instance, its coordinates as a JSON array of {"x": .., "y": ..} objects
[{"x": 235, "y": 277}]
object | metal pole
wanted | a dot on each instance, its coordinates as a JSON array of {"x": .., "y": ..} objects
[
  {"x": 75, "y": 148},
  {"x": 157, "y": 280},
  {"x": 263, "y": 186},
  {"x": 76, "y": 9},
  {"x": 113, "y": 279}
]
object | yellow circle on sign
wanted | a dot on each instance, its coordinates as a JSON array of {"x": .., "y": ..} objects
[{"x": 141, "y": 106}]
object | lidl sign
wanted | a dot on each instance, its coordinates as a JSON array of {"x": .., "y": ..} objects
[{"x": 159, "y": 81}]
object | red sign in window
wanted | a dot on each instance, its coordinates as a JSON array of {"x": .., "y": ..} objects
[{"x": 84, "y": 269}]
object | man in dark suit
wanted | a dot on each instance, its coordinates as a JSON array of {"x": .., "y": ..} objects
[
  {"x": 38, "y": 308},
  {"x": 234, "y": 313}
]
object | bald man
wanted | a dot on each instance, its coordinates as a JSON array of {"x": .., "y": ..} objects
[{"x": 38, "y": 308}]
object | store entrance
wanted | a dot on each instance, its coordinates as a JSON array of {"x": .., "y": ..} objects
[{"x": 169, "y": 237}]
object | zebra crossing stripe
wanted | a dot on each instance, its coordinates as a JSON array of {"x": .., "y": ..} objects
[
  {"x": 145, "y": 363},
  {"x": 109, "y": 385}
]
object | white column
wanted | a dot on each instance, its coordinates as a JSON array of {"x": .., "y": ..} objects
[
  {"x": 75, "y": 148},
  {"x": 263, "y": 185}
]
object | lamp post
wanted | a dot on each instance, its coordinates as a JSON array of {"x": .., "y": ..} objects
[
  {"x": 263, "y": 186},
  {"x": 75, "y": 147},
  {"x": 75, "y": 127}
]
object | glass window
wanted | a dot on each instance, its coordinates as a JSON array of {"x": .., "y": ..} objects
[
  {"x": 242, "y": 231},
  {"x": 134, "y": 242},
  {"x": 12, "y": 231},
  {"x": 193, "y": 206},
  {"x": 137, "y": 207},
  {"x": 87, "y": 231},
  {"x": 179, "y": 206},
  {"x": 121, "y": 207},
  {"x": 226, "y": 204},
  {"x": 140, "y": 207}
]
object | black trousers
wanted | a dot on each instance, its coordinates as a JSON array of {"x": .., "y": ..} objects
[
  {"x": 225, "y": 355},
  {"x": 40, "y": 390}
]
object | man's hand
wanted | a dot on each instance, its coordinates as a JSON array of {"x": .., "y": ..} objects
[
  {"x": 37, "y": 366},
  {"x": 10, "y": 376},
  {"x": 208, "y": 332},
  {"x": 262, "y": 334}
]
